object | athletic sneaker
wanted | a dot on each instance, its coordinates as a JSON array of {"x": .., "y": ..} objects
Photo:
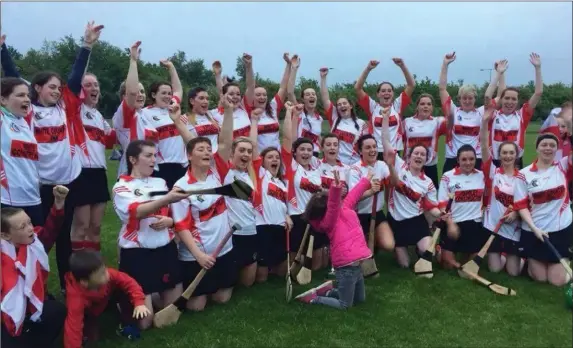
[
  {"x": 324, "y": 289},
  {"x": 131, "y": 332},
  {"x": 307, "y": 296}
]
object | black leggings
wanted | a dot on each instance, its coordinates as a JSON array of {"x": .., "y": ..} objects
[{"x": 42, "y": 334}]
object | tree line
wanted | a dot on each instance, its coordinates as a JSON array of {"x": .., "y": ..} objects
[{"x": 110, "y": 63}]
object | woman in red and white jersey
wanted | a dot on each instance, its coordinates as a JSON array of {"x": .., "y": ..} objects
[
  {"x": 369, "y": 162},
  {"x": 128, "y": 121},
  {"x": 309, "y": 121},
  {"x": 241, "y": 121},
  {"x": 270, "y": 203},
  {"x": 148, "y": 251},
  {"x": 499, "y": 191},
  {"x": 172, "y": 161},
  {"x": 466, "y": 184},
  {"x": 343, "y": 123},
  {"x": 386, "y": 101},
  {"x": 425, "y": 129},
  {"x": 303, "y": 180},
  {"x": 542, "y": 200},
  {"x": 54, "y": 118},
  {"x": 268, "y": 131},
  {"x": 464, "y": 121},
  {"x": 201, "y": 221},
  {"x": 510, "y": 123},
  {"x": 200, "y": 121},
  {"x": 92, "y": 181},
  {"x": 558, "y": 126},
  {"x": 19, "y": 180},
  {"x": 411, "y": 194}
]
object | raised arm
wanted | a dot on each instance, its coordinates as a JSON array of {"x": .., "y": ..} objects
[
  {"x": 91, "y": 36},
  {"x": 175, "y": 115},
  {"x": 250, "y": 77},
  {"x": 297, "y": 111},
  {"x": 359, "y": 85},
  {"x": 217, "y": 70},
  {"x": 176, "y": 87},
  {"x": 287, "y": 126},
  {"x": 6, "y": 60},
  {"x": 484, "y": 131},
  {"x": 294, "y": 65},
  {"x": 132, "y": 80},
  {"x": 501, "y": 67},
  {"x": 226, "y": 135},
  {"x": 501, "y": 85},
  {"x": 254, "y": 133},
  {"x": 282, "y": 92},
  {"x": 536, "y": 97},
  {"x": 324, "y": 95},
  {"x": 389, "y": 151},
  {"x": 410, "y": 82},
  {"x": 443, "y": 84}
]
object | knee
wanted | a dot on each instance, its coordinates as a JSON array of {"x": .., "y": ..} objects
[
  {"x": 95, "y": 225},
  {"x": 222, "y": 296},
  {"x": 146, "y": 323},
  {"x": 557, "y": 277},
  {"x": 537, "y": 274}
]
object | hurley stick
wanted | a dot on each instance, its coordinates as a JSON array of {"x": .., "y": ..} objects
[
  {"x": 305, "y": 275},
  {"x": 558, "y": 255},
  {"x": 288, "y": 276},
  {"x": 170, "y": 314},
  {"x": 368, "y": 266},
  {"x": 298, "y": 260},
  {"x": 237, "y": 189},
  {"x": 498, "y": 289}
]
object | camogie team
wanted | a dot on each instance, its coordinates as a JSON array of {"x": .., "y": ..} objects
[{"x": 53, "y": 151}]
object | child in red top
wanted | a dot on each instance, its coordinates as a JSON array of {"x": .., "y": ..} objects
[{"x": 89, "y": 286}]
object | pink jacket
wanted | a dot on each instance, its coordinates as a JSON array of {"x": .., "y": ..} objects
[{"x": 341, "y": 224}]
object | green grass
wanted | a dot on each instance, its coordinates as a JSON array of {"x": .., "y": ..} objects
[{"x": 400, "y": 310}]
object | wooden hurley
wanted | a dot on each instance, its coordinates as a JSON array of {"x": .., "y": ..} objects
[
  {"x": 558, "y": 255},
  {"x": 473, "y": 265},
  {"x": 304, "y": 276},
  {"x": 299, "y": 258},
  {"x": 368, "y": 266},
  {"x": 170, "y": 314},
  {"x": 237, "y": 189},
  {"x": 423, "y": 267},
  {"x": 288, "y": 276},
  {"x": 498, "y": 289}
]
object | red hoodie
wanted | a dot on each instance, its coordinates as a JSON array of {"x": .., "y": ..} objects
[{"x": 80, "y": 300}]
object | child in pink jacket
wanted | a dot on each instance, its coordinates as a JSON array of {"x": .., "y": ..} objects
[{"x": 328, "y": 213}]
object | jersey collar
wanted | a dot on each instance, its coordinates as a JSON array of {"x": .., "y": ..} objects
[
  {"x": 458, "y": 171},
  {"x": 534, "y": 167}
]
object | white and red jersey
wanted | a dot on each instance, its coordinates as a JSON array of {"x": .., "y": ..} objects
[
  {"x": 205, "y": 216},
  {"x": 20, "y": 183},
  {"x": 241, "y": 212},
  {"x": 374, "y": 112},
  {"x": 170, "y": 144},
  {"x": 208, "y": 126},
  {"x": 468, "y": 191},
  {"x": 348, "y": 131},
  {"x": 99, "y": 136},
  {"x": 268, "y": 126},
  {"x": 130, "y": 125},
  {"x": 544, "y": 192},
  {"x": 381, "y": 172},
  {"x": 58, "y": 162},
  {"x": 465, "y": 129},
  {"x": 425, "y": 132},
  {"x": 241, "y": 120},
  {"x": 327, "y": 172},
  {"x": 270, "y": 197},
  {"x": 509, "y": 128},
  {"x": 310, "y": 127},
  {"x": 129, "y": 193},
  {"x": 550, "y": 124},
  {"x": 412, "y": 195},
  {"x": 500, "y": 189},
  {"x": 302, "y": 183}
]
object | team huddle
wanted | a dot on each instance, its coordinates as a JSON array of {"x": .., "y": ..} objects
[{"x": 318, "y": 200}]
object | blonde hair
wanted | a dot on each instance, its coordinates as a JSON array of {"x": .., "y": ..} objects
[
  {"x": 467, "y": 89},
  {"x": 250, "y": 168}
]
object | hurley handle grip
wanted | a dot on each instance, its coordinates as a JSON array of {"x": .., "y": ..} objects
[{"x": 226, "y": 239}]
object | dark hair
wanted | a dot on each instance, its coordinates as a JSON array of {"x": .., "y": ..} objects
[
  {"x": 361, "y": 141},
  {"x": 192, "y": 94},
  {"x": 8, "y": 84},
  {"x": 329, "y": 135},
  {"x": 134, "y": 149},
  {"x": 280, "y": 171},
  {"x": 5, "y": 214},
  {"x": 545, "y": 136},
  {"x": 40, "y": 79},
  {"x": 352, "y": 114},
  {"x": 305, "y": 110},
  {"x": 298, "y": 143},
  {"x": 411, "y": 149},
  {"x": 229, "y": 85},
  {"x": 465, "y": 148},
  {"x": 384, "y": 83},
  {"x": 268, "y": 107},
  {"x": 316, "y": 207},
  {"x": 83, "y": 263},
  {"x": 193, "y": 142},
  {"x": 508, "y": 143},
  {"x": 154, "y": 87},
  {"x": 509, "y": 89}
]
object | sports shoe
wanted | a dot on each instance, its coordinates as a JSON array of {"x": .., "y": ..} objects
[
  {"x": 131, "y": 332},
  {"x": 324, "y": 289},
  {"x": 307, "y": 296}
]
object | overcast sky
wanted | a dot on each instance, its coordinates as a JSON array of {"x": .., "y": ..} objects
[{"x": 344, "y": 36}]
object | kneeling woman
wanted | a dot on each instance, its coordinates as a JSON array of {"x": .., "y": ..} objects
[
  {"x": 411, "y": 194},
  {"x": 148, "y": 252},
  {"x": 202, "y": 221},
  {"x": 543, "y": 203}
]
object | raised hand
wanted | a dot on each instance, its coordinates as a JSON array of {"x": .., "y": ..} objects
[
  {"x": 501, "y": 66},
  {"x": 535, "y": 59},
  {"x": 289, "y": 106},
  {"x": 398, "y": 61},
  {"x": 167, "y": 63},
  {"x": 323, "y": 72},
  {"x": 247, "y": 59},
  {"x": 372, "y": 64},
  {"x": 227, "y": 103},
  {"x": 450, "y": 58},
  {"x": 135, "y": 51},
  {"x": 256, "y": 114},
  {"x": 92, "y": 33},
  {"x": 286, "y": 57},
  {"x": 175, "y": 112},
  {"x": 217, "y": 67},
  {"x": 298, "y": 109},
  {"x": 295, "y": 61}
]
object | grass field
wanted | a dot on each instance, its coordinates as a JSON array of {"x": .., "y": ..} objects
[{"x": 400, "y": 310}]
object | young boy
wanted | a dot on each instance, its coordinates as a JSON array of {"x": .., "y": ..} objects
[
  {"x": 89, "y": 287},
  {"x": 34, "y": 320}
]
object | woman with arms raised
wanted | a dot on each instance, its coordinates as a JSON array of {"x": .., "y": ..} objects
[
  {"x": 199, "y": 120},
  {"x": 510, "y": 123},
  {"x": 464, "y": 121},
  {"x": 542, "y": 200},
  {"x": 385, "y": 94}
]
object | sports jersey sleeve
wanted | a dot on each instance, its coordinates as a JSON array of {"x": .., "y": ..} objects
[
  {"x": 123, "y": 203},
  {"x": 221, "y": 166},
  {"x": 526, "y": 114},
  {"x": 430, "y": 200},
  {"x": 401, "y": 103},
  {"x": 128, "y": 285},
  {"x": 520, "y": 194},
  {"x": 448, "y": 107},
  {"x": 443, "y": 192},
  {"x": 442, "y": 126},
  {"x": 567, "y": 167},
  {"x": 74, "y": 324},
  {"x": 48, "y": 233},
  {"x": 330, "y": 114},
  {"x": 277, "y": 104},
  {"x": 368, "y": 105}
]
